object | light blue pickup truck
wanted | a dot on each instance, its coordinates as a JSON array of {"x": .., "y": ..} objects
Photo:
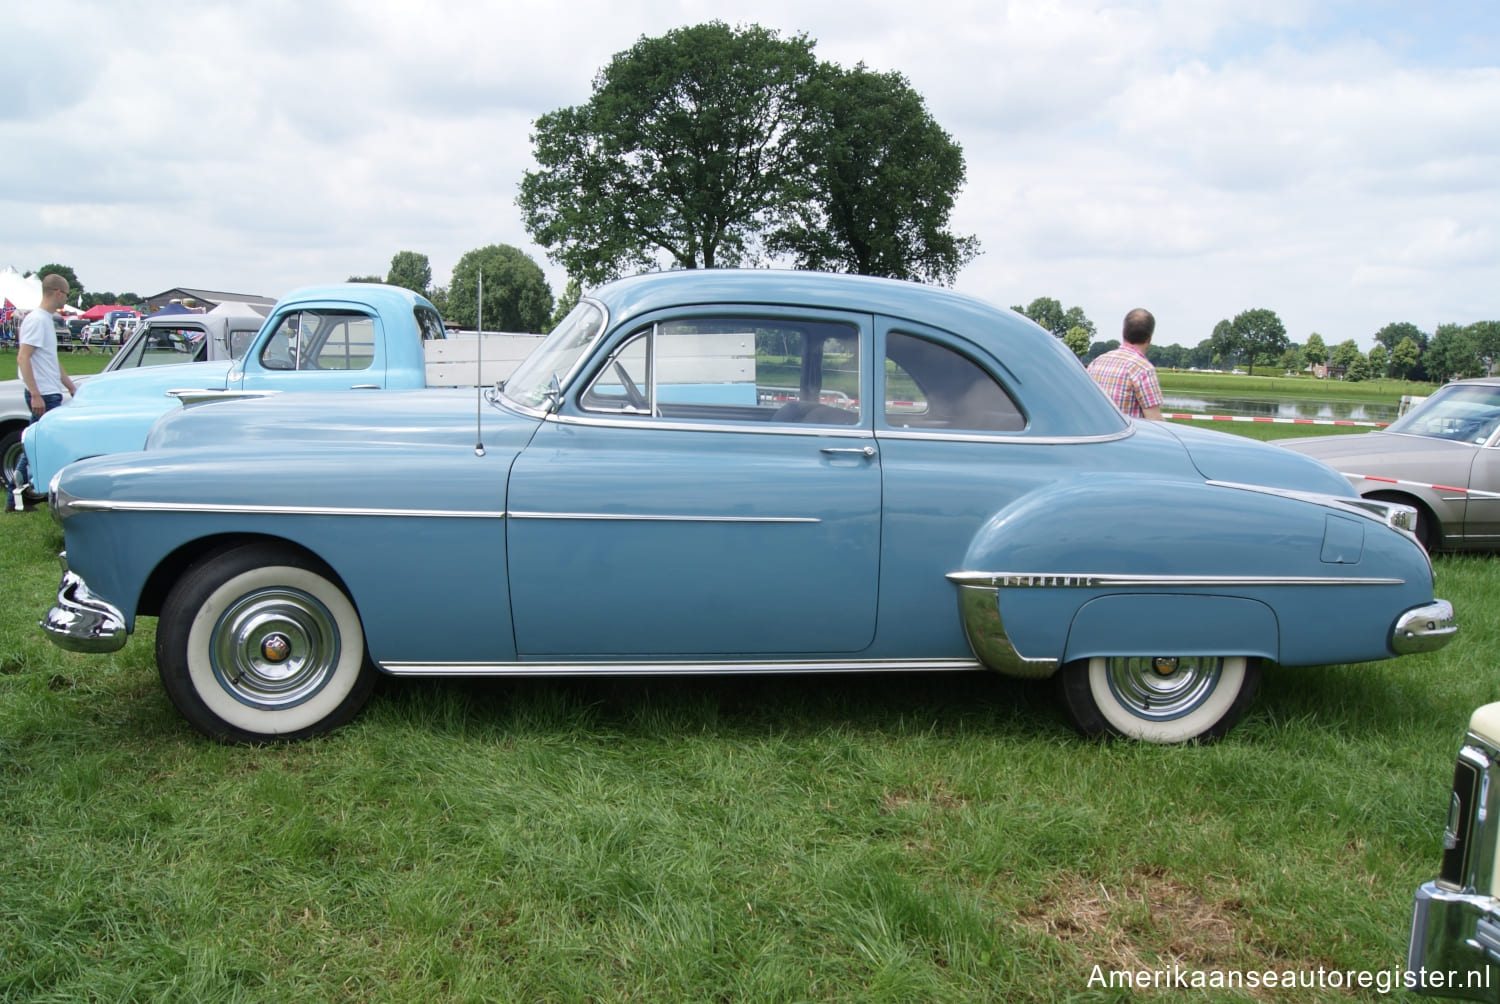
[
  {"x": 161, "y": 339},
  {"x": 346, "y": 336}
]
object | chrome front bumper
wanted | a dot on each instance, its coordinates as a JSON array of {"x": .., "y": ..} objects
[
  {"x": 1424, "y": 629},
  {"x": 81, "y": 622}
]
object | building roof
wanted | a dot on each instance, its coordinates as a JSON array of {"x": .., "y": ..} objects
[{"x": 207, "y": 297}]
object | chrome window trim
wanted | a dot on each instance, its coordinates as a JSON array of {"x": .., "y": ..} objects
[
  {"x": 642, "y": 421},
  {"x": 682, "y": 666},
  {"x": 659, "y": 517},
  {"x": 565, "y": 381},
  {"x": 1111, "y": 580},
  {"x": 991, "y": 437}
]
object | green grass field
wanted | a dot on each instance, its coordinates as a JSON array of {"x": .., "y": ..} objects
[
  {"x": 74, "y": 363},
  {"x": 843, "y": 838}
]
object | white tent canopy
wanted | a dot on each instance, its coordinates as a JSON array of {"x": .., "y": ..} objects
[{"x": 23, "y": 292}]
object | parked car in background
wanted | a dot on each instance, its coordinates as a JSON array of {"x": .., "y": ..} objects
[
  {"x": 1454, "y": 950},
  {"x": 1442, "y": 458},
  {"x": 719, "y": 471},
  {"x": 349, "y": 337},
  {"x": 174, "y": 339}
]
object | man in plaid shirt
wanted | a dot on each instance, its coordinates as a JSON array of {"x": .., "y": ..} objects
[{"x": 1126, "y": 375}]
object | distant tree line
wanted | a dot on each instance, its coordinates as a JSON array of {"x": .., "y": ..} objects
[{"x": 1257, "y": 337}]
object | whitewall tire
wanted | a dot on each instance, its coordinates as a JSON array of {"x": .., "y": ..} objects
[
  {"x": 259, "y": 645},
  {"x": 1158, "y": 700}
]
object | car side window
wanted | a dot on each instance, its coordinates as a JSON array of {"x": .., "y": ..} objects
[
  {"x": 734, "y": 370},
  {"x": 321, "y": 340},
  {"x": 931, "y": 386}
]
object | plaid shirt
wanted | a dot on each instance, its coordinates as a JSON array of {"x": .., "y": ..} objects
[{"x": 1129, "y": 379}]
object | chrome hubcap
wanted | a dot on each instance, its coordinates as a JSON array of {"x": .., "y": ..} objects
[
  {"x": 12, "y": 461},
  {"x": 275, "y": 648},
  {"x": 1163, "y": 688}
]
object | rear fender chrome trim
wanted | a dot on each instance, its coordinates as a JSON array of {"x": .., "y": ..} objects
[
  {"x": 979, "y": 610},
  {"x": 1111, "y": 580}
]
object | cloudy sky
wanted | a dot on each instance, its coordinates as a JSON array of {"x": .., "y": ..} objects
[{"x": 1337, "y": 161}]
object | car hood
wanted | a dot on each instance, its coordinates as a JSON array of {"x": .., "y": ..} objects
[
  {"x": 1343, "y": 450},
  {"x": 443, "y": 416},
  {"x": 152, "y": 381},
  {"x": 1223, "y": 456}
]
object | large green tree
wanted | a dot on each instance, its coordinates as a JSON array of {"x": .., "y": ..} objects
[
  {"x": 516, "y": 294},
  {"x": 1260, "y": 335},
  {"x": 1315, "y": 351},
  {"x": 1390, "y": 336},
  {"x": 67, "y": 273},
  {"x": 1452, "y": 354},
  {"x": 881, "y": 176},
  {"x": 687, "y": 148},
  {"x": 1227, "y": 343},
  {"x": 1050, "y": 314},
  {"x": 410, "y": 270},
  {"x": 1404, "y": 358}
]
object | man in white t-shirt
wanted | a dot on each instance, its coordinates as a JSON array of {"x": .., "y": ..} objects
[{"x": 38, "y": 366}]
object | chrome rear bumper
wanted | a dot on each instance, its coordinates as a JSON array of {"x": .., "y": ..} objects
[{"x": 1424, "y": 629}]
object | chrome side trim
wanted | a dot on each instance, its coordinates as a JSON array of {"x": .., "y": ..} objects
[
  {"x": 69, "y": 506},
  {"x": 1392, "y": 514},
  {"x": 979, "y": 610},
  {"x": 685, "y": 666},
  {"x": 1424, "y": 629},
  {"x": 989, "y": 437},
  {"x": 1107, "y": 580},
  {"x": 204, "y": 395},
  {"x": 660, "y": 518},
  {"x": 81, "y": 622}
]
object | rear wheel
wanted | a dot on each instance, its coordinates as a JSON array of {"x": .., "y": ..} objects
[
  {"x": 1161, "y": 699},
  {"x": 259, "y": 645}
]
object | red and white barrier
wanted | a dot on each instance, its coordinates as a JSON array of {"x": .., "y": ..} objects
[
  {"x": 1279, "y": 421},
  {"x": 1471, "y": 492}
]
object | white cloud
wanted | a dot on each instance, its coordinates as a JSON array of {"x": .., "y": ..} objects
[{"x": 1328, "y": 160}]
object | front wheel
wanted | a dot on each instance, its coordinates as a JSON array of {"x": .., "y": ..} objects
[
  {"x": 258, "y": 645},
  {"x": 11, "y": 452},
  {"x": 1158, "y": 700}
]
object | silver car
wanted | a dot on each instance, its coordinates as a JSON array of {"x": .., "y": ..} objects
[{"x": 1442, "y": 457}]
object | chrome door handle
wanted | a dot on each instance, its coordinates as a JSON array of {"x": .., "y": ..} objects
[
  {"x": 867, "y": 452},
  {"x": 364, "y": 386}
]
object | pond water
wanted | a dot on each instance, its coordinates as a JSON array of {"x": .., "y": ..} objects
[{"x": 1215, "y": 404}]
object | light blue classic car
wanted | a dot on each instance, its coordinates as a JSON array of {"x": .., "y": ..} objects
[{"x": 733, "y": 472}]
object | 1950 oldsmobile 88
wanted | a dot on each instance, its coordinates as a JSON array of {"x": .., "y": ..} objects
[{"x": 721, "y": 471}]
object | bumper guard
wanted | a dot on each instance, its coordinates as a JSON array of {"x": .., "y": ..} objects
[{"x": 81, "y": 622}]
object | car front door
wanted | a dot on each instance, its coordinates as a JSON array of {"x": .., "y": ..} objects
[{"x": 709, "y": 490}]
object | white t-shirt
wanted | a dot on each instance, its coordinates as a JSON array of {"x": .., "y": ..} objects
[{"x": 38, "y": 332}]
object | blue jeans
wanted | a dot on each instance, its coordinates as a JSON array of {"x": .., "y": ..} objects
[{"x": 23, "y": 469}]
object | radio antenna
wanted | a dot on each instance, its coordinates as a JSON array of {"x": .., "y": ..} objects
[{"x": 479, "y": 365}]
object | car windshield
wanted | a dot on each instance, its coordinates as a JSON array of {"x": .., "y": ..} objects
[
  {"x": 1465, "y": 413},
  {"x": 555, "y": 357}
]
